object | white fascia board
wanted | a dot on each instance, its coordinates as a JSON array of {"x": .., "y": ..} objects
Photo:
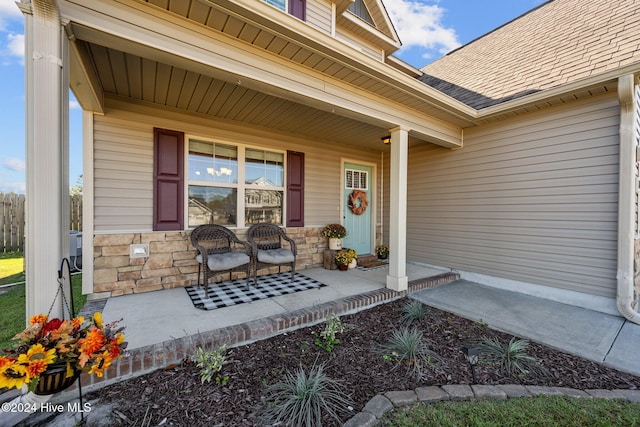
[
  {"x": 609, "y": 77},
  {"x": 390, "y": 45},
  {"x": 84, "y": 82}
]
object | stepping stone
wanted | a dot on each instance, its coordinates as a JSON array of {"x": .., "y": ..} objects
[
  {"x": 378, "y": 406},
  {"x": 514, "y": 390},
  {"x": 402, "y": 398},
  {"x": 458, "y": 392},
  {"x": 363, "y": 419},
  {"x": 606, "y": 394},
  {"x": 536, "y": 390},
  {"x": 572, "y": 392},
  {"x": 431, "y": 394},
  {"x": 488, "y": 392},
  {"x": 632, "y": 396}
]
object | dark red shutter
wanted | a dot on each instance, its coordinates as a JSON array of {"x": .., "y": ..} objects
[
  {"x": 168, "y": 180},
  {"x": 295, "y": 189},
  {"x": 298, "y": 8}
]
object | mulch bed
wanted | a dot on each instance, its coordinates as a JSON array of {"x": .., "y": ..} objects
[{"x": 175, "y": 396}]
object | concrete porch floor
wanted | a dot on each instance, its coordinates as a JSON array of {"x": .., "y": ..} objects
[{"x": 156, "y": 317}]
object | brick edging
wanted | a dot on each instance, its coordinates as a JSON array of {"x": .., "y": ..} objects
[{"x": 384, "y": 403}]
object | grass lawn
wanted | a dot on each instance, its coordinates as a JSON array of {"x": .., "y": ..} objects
[
  {"x": 11, "y": 268},
  {"x": 532, "y": 412},
  {"x": 12, "y": 302}
]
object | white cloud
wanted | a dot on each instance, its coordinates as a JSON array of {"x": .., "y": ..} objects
[
  {"x": 8, "y": 8},
  {"x": 13, "y": 187},
  {"x": 15, "y": 44},
  {"x": 8, "y": 12},
  {"x": 74, "y": 105},
  {"x": 420, "y": 25},
  {"x": 14, "y": 49},
  {"x": 14, "y": 164}
]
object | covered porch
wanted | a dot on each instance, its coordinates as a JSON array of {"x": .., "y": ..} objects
[{"x": 247, "y": 75}]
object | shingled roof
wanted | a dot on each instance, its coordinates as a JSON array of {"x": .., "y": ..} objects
[{"x": 559, "y": 42}]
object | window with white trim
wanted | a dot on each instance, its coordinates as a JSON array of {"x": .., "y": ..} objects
[
  {"x": 280, "y": 4},
  {"x": 297, "y": 8},
  {"x": 233, "y": 185},
  {"x": 356, "y": 179}
]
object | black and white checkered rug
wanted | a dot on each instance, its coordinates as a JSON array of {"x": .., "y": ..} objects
[{"x": 232, "y": 292}]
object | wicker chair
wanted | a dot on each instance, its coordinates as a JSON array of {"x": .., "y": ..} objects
[
  {"x": 220, "y": 251},
  {"x": 266, "y": 243}
]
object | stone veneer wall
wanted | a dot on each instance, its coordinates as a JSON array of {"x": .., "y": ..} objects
[{"x": 171, "y": 262}]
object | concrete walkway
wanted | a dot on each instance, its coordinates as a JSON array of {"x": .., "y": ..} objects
[{"x": 600, "y": 337}]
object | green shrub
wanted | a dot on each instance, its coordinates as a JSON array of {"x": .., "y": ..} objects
[
  {"x": 327, "y": 338},
  {"x": 210, "y": 363},
  {"x": 302, "y": 399}
]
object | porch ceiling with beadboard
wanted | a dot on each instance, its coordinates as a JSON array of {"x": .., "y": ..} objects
[{"x": 223, "y": 61}]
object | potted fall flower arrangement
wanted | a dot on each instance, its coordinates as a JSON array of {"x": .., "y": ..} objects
[
  {"x": 354, "y": 258},
  {"x": 342, "y": 259},
  {"x": 382, "y": 251},
  {"x": 335, "y": 233},
  {"x": 51, "y": 353}
]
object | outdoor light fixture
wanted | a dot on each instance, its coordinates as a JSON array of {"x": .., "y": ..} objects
[
  {"x": 472, "y": 355},
  {"x": 386, "y": 139}
]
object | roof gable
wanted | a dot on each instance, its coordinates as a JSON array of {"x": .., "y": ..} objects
[
  {"x": 560, "y": 42},
  {"x": 368, "y": 19}
]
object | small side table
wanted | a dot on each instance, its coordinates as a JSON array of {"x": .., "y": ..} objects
[{"x": 328, "y": 259}]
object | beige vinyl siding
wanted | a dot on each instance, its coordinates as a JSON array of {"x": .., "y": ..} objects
[
  {"x": 362, "y": 45},
  {"x": 319, "y": 15},
  {"x": 123, "y": 151},
  {"x": 532, "y": 199},
  {"x": 123, "y": 185}
]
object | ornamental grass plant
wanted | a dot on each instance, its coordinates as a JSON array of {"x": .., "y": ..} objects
[
  {"x": 304, "y": 399},
  {"x": 413, "y": 311},
  {"x": 407, "y": 347},
  {"x": 510, "y": 358}
]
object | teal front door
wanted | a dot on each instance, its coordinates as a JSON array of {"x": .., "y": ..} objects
[{"x": 357, "y": 207}]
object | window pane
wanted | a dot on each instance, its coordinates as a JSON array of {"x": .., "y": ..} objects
[
  {"x": 211, "y": 162},
  {"x": 280, "y": 4},
  {"x": 264, "y": 168},
  {"x": 211, "y": 205},
  {"x": 263, "y": 206}
]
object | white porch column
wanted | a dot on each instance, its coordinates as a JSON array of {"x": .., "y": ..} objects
[
  {"x": 47, "y": 145},
  {"x": 397, "y": 278}
]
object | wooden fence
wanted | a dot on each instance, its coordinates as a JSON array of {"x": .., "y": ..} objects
[{"x": 12, "y": 220}]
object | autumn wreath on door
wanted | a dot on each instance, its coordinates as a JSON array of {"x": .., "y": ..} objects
[{"x": 358, "y": 202}]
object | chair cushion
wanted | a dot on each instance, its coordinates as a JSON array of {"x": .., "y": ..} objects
[
  {"x": 220, "y": 262},
  {"x": 275, "y": 256}
]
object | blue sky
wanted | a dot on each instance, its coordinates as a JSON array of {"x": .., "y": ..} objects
[{"x": 428, "y": 29}]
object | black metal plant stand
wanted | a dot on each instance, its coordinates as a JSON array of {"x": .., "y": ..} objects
[{"x": 65, "y": 273}]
